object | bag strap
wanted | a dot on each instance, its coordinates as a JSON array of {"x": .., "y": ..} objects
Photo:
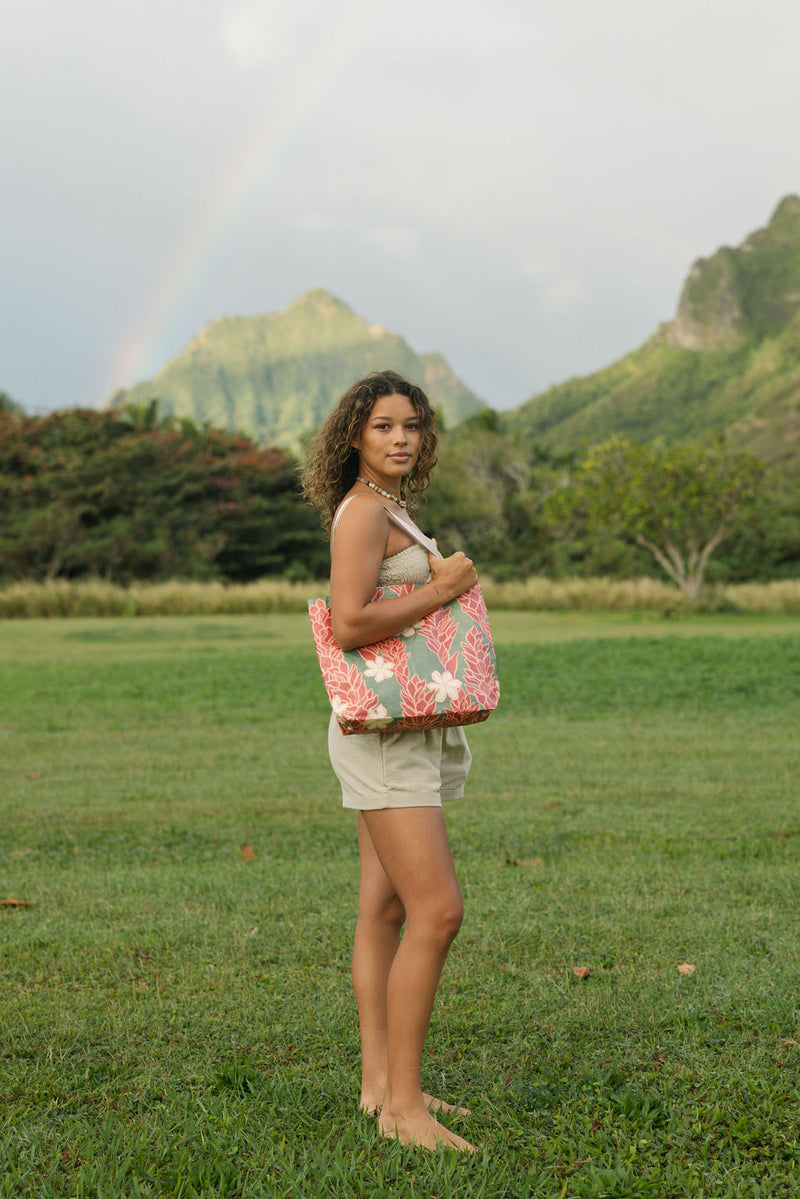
[
  {"x": 408, "y": 525},
  {"x": 402, "y": 522}
]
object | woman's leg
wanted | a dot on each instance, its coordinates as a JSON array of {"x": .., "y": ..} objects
[
  {"x": 377, "y": 936},
  {"x": 412, "y": 848}
]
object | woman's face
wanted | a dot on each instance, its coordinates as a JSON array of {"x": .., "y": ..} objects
[{"x": 389, "y": 444}]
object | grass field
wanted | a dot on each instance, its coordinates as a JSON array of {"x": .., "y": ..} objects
[{"x": 177, "y": 1017}]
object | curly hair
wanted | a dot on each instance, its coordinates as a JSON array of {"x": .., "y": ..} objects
[{"x": 332, "y": 463}]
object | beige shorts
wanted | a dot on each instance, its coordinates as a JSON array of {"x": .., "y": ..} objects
[{"x": 419, "y": 769}]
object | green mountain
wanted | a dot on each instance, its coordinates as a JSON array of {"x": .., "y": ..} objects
[
  {"x": 728, "y": 363},
  {"x": 276, "y": 377}
]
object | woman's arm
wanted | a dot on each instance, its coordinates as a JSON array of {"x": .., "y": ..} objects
[{"x": 357, "y": 551}]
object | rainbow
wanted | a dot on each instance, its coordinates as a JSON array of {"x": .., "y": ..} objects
[{"x": 237, "y": 186}]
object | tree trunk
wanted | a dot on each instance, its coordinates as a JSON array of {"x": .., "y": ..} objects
[{"x": 686, "y": 569}]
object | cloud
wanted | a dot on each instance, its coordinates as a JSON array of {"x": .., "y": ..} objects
[
  {"x": 395, "y": 241},
  {"x": 258, "y": 33},
  {"x": 251, "y": 36},
  {"x": 560, "y": 291},
  {"x": 542, "y": 174},
  {"x": 315, "y": 221}
]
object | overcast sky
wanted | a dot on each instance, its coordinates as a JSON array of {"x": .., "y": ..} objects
[{"x": 521, "y": 185}]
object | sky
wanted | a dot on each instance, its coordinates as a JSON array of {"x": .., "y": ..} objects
[{"x": 520, "y": 185}]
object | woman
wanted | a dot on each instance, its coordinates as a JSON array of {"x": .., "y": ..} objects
[{"x": 378, "y": 444}]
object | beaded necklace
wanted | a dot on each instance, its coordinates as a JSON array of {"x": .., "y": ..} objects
[{"x": 388, "y": 495}]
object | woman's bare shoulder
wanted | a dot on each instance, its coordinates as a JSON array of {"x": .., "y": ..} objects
[{"x": 360, "y": 520}]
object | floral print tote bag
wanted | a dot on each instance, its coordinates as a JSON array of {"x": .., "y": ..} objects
[{"x": 440, "y": 671}]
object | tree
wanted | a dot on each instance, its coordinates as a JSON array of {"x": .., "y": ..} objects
[
  {"x": 678, "y": 502},
  {"x": 487, "y": 496},
  {"x": 7, "y": 404},
  {"x": 122, "y": 495}
]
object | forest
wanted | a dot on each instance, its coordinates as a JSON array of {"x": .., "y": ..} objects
[{"x": 129, "y": 495}]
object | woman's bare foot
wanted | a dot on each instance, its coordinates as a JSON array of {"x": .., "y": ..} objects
[
  {"x": 448, "y": 1109},
  {"x": 419, "y": 1128},
  {"x": 371, "y": 1103}
]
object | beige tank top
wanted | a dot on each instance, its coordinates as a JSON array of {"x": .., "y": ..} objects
[{"x": 407, "y": 566}]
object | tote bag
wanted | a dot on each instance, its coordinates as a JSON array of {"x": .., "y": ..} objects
[{"x": 440, "y": 671}]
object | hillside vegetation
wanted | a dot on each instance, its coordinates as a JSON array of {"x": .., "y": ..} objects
[
  {"x": 728, "y": 363},
  {"x": 158, "y": 486},
  {"x": 276, "y": 377}
]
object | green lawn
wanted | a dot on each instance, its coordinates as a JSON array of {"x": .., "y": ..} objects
[{"x": 177, "y": 1018}]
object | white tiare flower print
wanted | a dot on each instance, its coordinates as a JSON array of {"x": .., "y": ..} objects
[
  {"x": 412, "y": 628},
  {"x": 378, "y": 718},
  {"x": 338, "y": 705},
  {"x": 379, "y": 669},
  {"x": 444, "y": 684}
]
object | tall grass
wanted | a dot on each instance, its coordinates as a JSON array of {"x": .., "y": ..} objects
[
  {"x": 583, "y": 595},
  {"x": 782, "y": 595},
  {"x": 26, "y": 600},
  {"x": 95, "y": 597}
]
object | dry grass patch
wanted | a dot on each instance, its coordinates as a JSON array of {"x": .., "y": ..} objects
[
  {"x": 175, "y": 598},
  {"x": 537, "y": 594}
]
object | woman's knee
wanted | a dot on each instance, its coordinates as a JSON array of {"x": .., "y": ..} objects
[
  {"x": 438, "y": 921},
  {"x": 388, "y": 912},
  {"x": 453, "y": 917},
  {"x": 394, "y": 913}
]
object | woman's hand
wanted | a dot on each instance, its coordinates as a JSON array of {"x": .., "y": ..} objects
[
  {"x": 356, "y": 555},
  {"x": 452, "y": 576}
]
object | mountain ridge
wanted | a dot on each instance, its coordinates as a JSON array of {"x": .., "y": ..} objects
[
  {"x": 276, "y": 376},
  {"x": 727, "y": 364}
]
